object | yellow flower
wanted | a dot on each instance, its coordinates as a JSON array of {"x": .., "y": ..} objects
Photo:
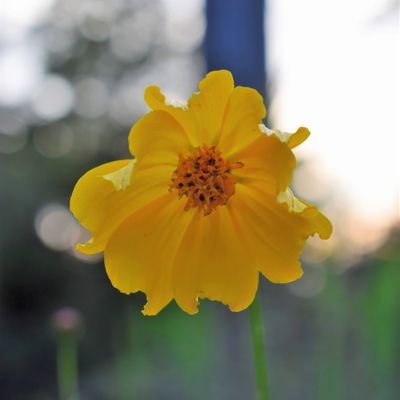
[{"x": 205, "y": 204}]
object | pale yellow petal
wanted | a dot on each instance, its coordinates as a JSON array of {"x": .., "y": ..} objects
[
  {"x": 106, "y": 195},
  {"x": 243, "y": 114},
  {"x": 157, "y": 139},
  {"x": 294, "y": 204},
  {"x": 273, "y": 233},
  {"x": 121, "y": 178},
  {"x": 140, "y": 253},
  {"x": 201, "y": 119},
  {"x": 213, "y": 263}
]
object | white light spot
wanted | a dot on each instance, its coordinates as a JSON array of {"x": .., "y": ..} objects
[
  {"x": 20, "y": 70},
  {"x": 54, "y": 98},
  {"x": 96, "y": 21},
  {"x": 185, "y": 24},
  {"x": 54, "y": 141},
  {"x": 91, "y": 98},
  {"x": 131, "y": 38},
  {"x": 23, "y": 13},
  {"x": 12, "y": 143},
  {"x": 56, "y": 227}
]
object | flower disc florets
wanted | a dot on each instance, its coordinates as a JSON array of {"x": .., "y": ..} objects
[{"x": 205, "y": 178}]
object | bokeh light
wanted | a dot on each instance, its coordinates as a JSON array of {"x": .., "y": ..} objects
[
  {"x": 20, "y": 69},
  {"x": 54, "y": 141},
  {"x": 91, "y": 98},
  {"x": 56, "y": 228},
  {"x": 53, "y": 99}
]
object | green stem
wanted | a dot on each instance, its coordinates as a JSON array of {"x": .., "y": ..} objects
[
  {"x": 257, "y": 333},
  {"x": 67, "y": 366}
]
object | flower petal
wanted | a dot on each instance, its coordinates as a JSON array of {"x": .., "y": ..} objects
[
  {"x": 267, "y": 162},
  {"x": 298, "y": 137},
  {"x": 275, "y": 232},
  {"x": 121, "y": 178},
  {"x": 202, "y": 118},
  {"x": 319, "y": 222},
  {"x": 157, "y": 139},
  {"x": 292, "y": 139},
  {"x": 243, "y": 114},
  {"x": 157, "y": 101},
  {"x": 208, "y": 106},
  {"x": 140, "y": 253},
  {"x": 213, "y": 263},
  {"x": 106, "y": 195}
]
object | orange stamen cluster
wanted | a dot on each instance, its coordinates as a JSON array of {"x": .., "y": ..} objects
[{"x": 205, "y": 178}]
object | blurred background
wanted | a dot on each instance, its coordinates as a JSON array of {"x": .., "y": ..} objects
[{"x": 72, "y": 75}]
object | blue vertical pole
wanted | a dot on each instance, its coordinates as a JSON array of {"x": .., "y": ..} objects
[{"x": 235, "y": 40}]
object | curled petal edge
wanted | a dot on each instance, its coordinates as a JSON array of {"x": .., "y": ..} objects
[
  {"x": 319, "y": 221},
  {"x": 121, "y": 178},
  {"x": 291, "y": 139}
]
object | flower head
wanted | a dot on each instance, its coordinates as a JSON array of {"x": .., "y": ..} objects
[{"x": 205, "y": 204}]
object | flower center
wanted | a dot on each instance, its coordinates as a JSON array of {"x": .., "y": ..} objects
[{"x": 205, "y": 178}]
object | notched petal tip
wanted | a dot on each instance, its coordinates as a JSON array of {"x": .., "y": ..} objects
[
  {"x": 291, "y": 139},
  {"x": 326, "y": 233},
  {"x": 221, "y": 77},
  {"x": 323, "y": 226},
  {"x": 189, "y": 307},
  {"x": 191, "y": 311},
  {"x": 287, "y": 274},
  {"x": 153, "y": 307},
  {"x": 156, "y": 100},
  {"x": 319, "y": 223},
  {"x": 88, "y": 248},
  {"x": 297, "y": 138},
  {"x": 296, "y": 274},
  {"x": 153, "y": 97},
  {"x": 254, "y": 99},
  {"x": 239, "y": 307},
  {"x": 147, "y": 312}
]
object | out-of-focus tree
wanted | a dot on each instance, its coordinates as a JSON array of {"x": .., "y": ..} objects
[{"x": 93, "y": 60}]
